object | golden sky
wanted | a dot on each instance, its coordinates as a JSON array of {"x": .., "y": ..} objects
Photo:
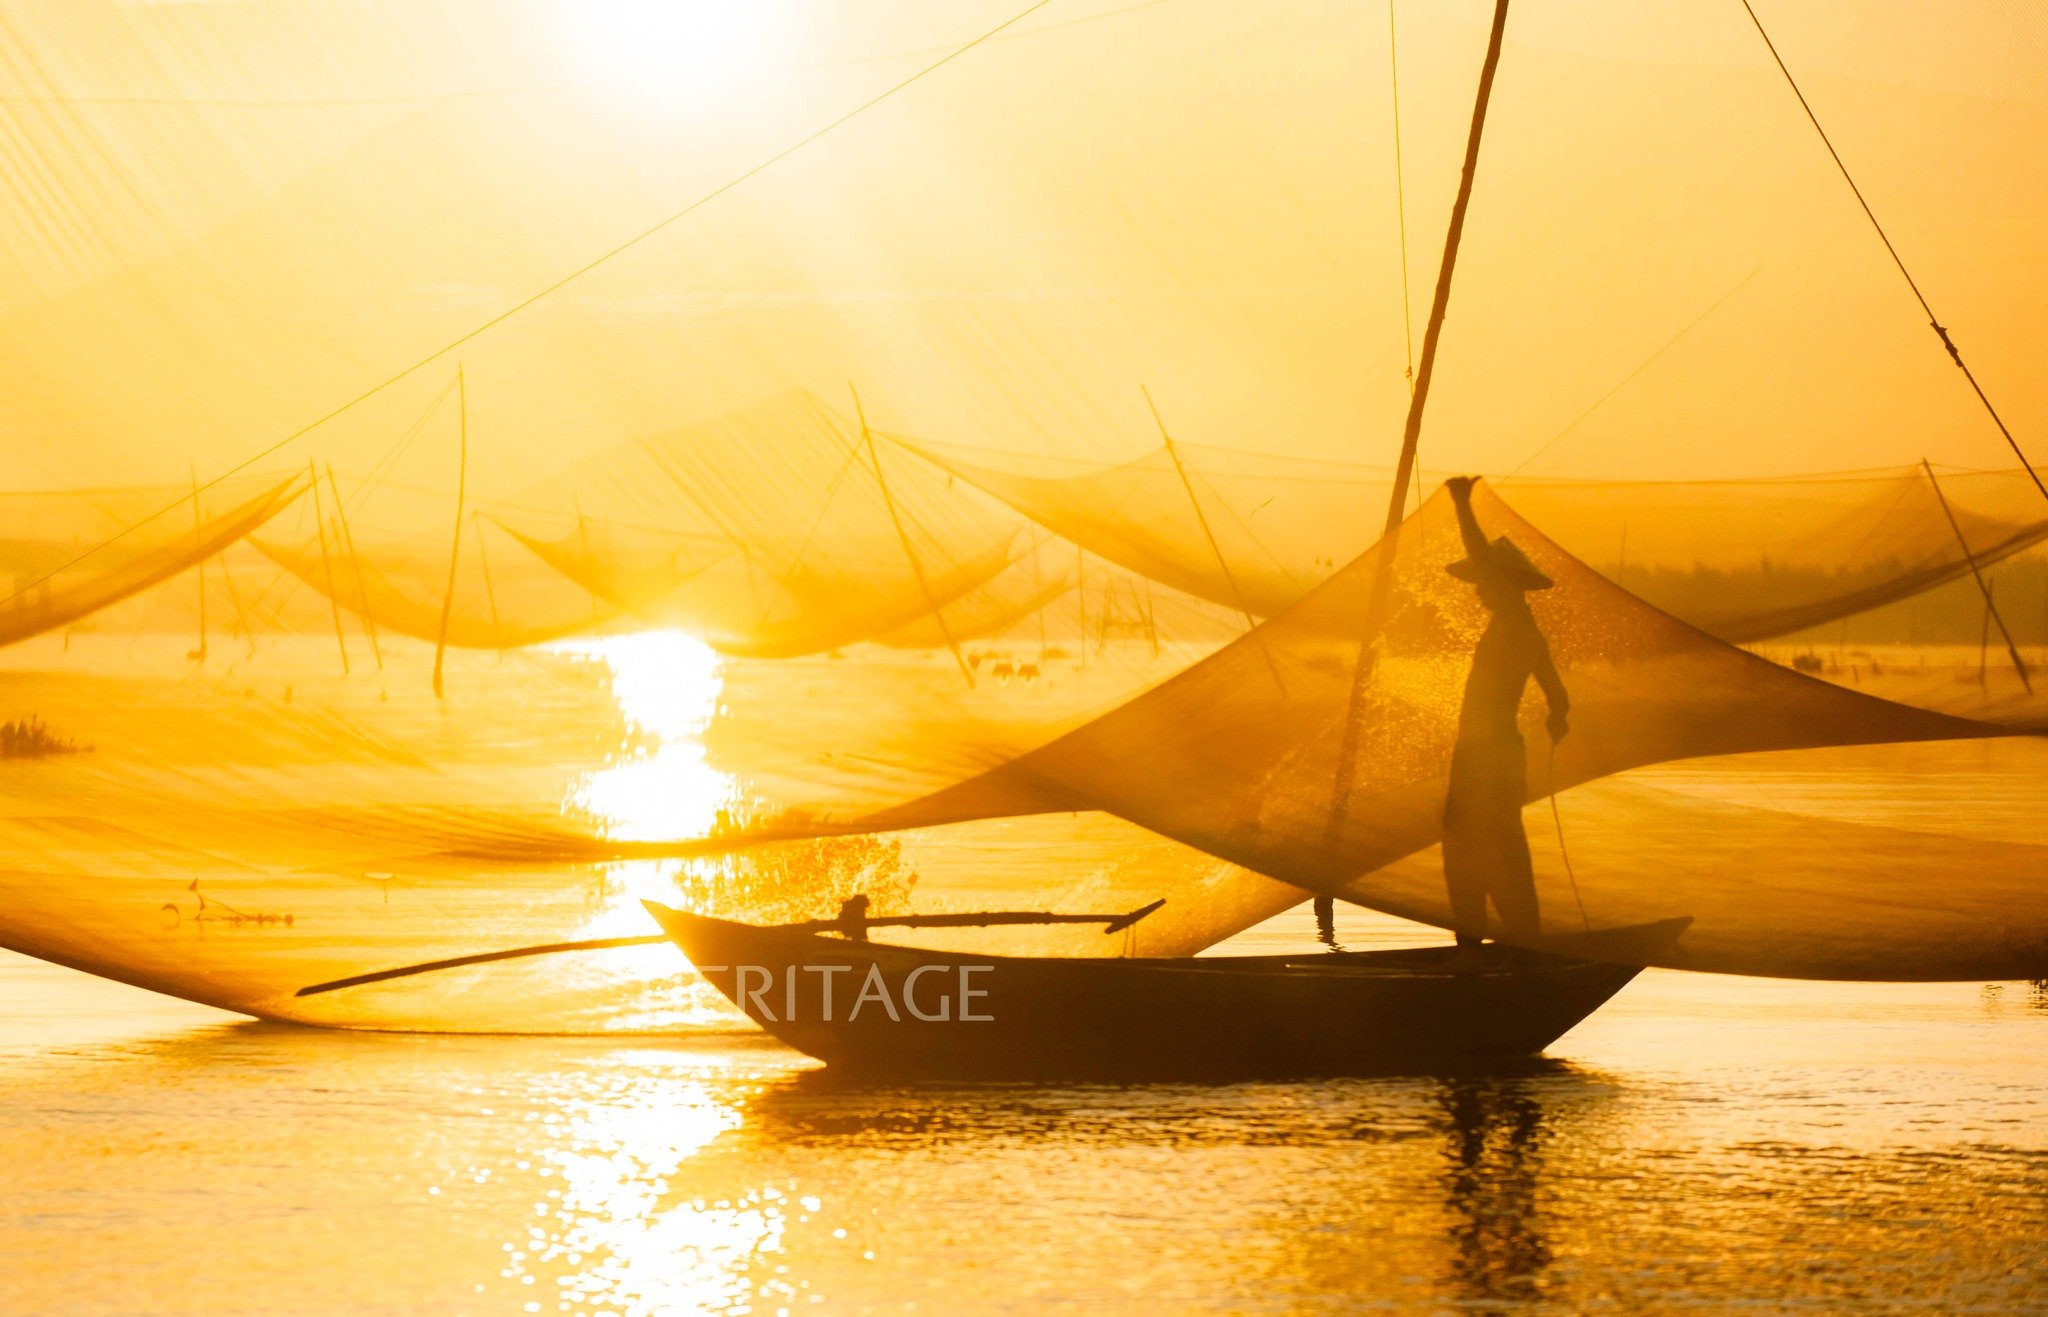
[{"x": 226, "y": 219}]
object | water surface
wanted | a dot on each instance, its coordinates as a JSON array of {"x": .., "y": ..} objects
[{"x": 1702, "y": 1143}]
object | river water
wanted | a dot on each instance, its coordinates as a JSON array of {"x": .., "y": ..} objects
[{"x": 1702, "y": 1142}]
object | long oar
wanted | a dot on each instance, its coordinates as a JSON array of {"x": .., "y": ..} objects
[{"x": 1110, "y": 923}]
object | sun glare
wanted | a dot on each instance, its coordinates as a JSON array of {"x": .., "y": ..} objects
[
  {"x": 666, "y": 684},
  {"x": 671, "y": 52}
]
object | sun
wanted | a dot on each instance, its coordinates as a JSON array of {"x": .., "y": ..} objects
[{"x": 673, "y": 53}]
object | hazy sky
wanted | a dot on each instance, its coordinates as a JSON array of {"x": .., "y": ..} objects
[{"x": 225, "y": 220}]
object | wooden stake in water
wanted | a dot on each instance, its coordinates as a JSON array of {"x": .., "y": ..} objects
[{"x": 454, "y": 548}]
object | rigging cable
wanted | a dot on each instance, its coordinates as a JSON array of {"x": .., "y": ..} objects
[
  {"x": 1557, "y": 821},
  {"x": 737, "y": 180},
  {"x": 1400, "y": 197},
  {"x": 1933, "y": 321}
]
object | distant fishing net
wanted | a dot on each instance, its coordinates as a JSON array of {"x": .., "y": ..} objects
[
  {"x": 822, "y": 540},
  {"x": 499, "y": 595},
  {"x": 1744, "y": 560},
  {"x": 65, "y": 555}
]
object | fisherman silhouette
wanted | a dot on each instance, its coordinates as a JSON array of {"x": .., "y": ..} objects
[{"x": 1486, "y": 853}]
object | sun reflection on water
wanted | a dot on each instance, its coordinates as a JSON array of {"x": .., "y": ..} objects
[
  {"x": 612, "y": 1233},
  {"x": 660, "y": 784},
  {"x": 667, "y": 685}
]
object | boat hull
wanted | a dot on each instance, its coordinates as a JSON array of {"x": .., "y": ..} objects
[{"x": 874, "y": 1008}]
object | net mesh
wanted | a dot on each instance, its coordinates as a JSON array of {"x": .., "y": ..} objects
[
  {"x": 1742, "y": 560},
  {"x": 827, "y": 545},
  {"x": 51, "y": 580},
  {"x": 1245, "y": 756}
]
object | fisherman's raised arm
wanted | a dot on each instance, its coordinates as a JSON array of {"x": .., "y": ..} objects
[{"x": 1476, "y": 547}]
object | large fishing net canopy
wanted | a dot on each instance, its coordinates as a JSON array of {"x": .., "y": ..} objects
[
  {"x": 1742, "y": 560},
  {"x": 476, "y": 587},
  {"x": 235, "y": 835},
  {"x": 65, "y": 555},
  {"x": 1316, "y": 750}
]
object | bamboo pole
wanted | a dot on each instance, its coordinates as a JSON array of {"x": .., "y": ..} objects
[{"x": 1404, "y": 470}]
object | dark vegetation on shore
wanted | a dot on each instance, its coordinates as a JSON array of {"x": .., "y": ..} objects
[{"x": 30, "y": 738}]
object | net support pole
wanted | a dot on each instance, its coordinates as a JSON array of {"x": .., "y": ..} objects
[
  {"x": 903, "y": 537},
  {"x": 1983, "y": 587},
  {"x": 1411, "y": 435},
  {"x": 1251, "y": 624},
  {"x": 1432, "y": 333},
  {"x": 455, "y": 546},
  {"x": 327, "y": 567},
  {"x": 355, "y": 563},
  {"x": 198, "y": 534}
]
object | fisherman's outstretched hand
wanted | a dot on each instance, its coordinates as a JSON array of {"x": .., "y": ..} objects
[
  {"x": 1461, "y": 487},
  {"x": 1558, "y": 725}
]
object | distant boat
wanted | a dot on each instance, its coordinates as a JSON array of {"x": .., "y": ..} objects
[{"x": 907, "y": 1011}]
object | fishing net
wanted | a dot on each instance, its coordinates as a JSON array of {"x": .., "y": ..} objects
[
  {"x": 496, "y": 594},
  {"x": 1267, "y": 755},
  {"x": 1024, "y": 591},
  {"x": 232, "y": 832},
  {"x": 1742, "y": 560},
  {"x": 827, "y": 545},
  {"x": 1747, "y": 561},
  {"x": 49, "y": 577}
]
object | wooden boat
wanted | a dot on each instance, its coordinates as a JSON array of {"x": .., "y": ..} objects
[{"x": 876, "y": 1008}]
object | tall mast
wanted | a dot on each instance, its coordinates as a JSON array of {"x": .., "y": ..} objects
[
  {"x": 1404, "y": 470},
  {"x": 1411, "y": 432}
]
